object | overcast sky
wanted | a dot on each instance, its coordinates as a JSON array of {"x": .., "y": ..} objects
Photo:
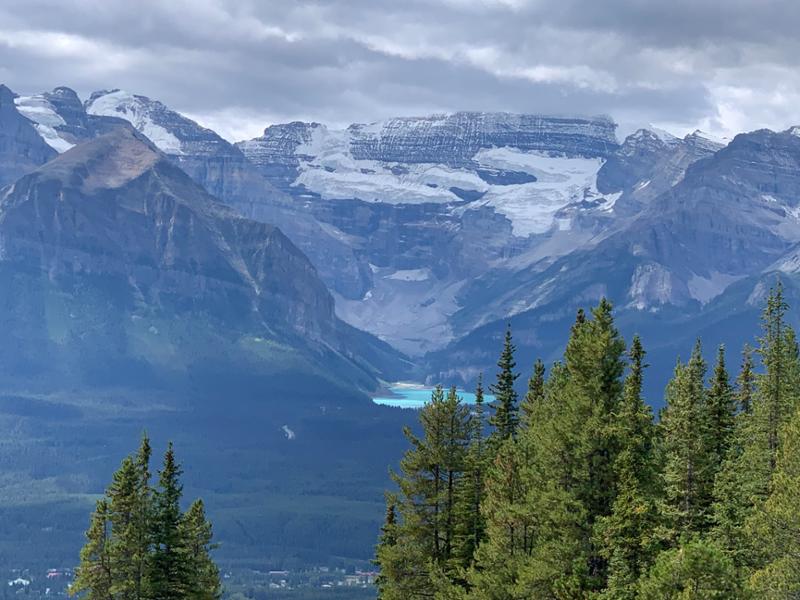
[{"x": 237, "y": 65}]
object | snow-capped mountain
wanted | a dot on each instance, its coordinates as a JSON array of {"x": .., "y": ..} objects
[
  {"x": 430, "y": 203},
  {"x": 695, "y": 260},
  {"x": 431, "y": 230},
  {"x": 402, "y": 217}
]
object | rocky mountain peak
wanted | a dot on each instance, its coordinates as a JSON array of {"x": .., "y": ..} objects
[
  {"x": 6, "y": 95},
  {"x": 106, "y": 162}
]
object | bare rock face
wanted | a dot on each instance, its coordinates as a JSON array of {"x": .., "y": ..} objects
[
  {"x": 648, "y": 163},
  {"x": 454, "y": 139},
  {"x": 224, "y": 171},
  {"x": 114, "y": 219},
  {"x": 22, "y": 149}
]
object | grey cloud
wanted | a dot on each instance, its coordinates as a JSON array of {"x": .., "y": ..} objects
[{"x": 239, "y": 64}]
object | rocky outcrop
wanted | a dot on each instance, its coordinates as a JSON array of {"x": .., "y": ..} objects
[
  {"x": 22, "y": 149},
  {"x": 454, "y": 139}
]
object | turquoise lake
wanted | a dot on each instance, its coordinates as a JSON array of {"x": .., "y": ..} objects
[{"x": 406, "y": 395}]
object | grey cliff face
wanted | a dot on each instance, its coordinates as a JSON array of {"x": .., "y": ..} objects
[
  {"x": 112, "y": 231},
  {"x": 22, "y": 149},
  {"x": 455, "y": 139}
]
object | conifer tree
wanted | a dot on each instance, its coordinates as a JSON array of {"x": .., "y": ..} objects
[
  {"x": 169, "y": 572},
  {"x": 570, "y": 481},
  {"x": 627, "y": 534},
  {"x": 777, "y": 388},
  {"x": 697, "y": 570},
  {"x": 505, "y": 418},
  {"x": 509, "y": 531},
  {"x": 470, "y": 520},
  {"x": 430, "y": 473},
  {"x": 535, "y": 392},
  {"x": 204, "y": 581},
  {"x": 745, "y": 382},
  {"x": 722, "y": 410},
  {"x": 743, "y": 485},
  {"x": 94, "y": 577},
  {"x": 777, "y": 527},
  {"x": 139, "y": 544},
  {"x": 386, "y": 545},
  {"x": 595, "y": 363},
  {"x": 126, "y": 548},
  {"x": 141, "y": 517},
  {"x": 688, "y": 454}
]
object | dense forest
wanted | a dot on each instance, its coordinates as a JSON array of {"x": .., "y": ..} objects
[{"x": 576, "y": 490}]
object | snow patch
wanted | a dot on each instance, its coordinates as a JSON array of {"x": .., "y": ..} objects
[
  {"x": 45, "y": 119},
  {"x": 560, "y": 180},
  {"x": 138, "y": 111},
  {"x": 327, "y": 167},
  {"x": 705, "y": 289},
  {"x": 410, "y": 275}
]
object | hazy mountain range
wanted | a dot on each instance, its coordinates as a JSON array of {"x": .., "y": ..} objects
[{"x": 140, "y": 250}]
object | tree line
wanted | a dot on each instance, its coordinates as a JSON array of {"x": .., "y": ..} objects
[
  {"x": 140, "y": 545},
  {"x": 575, "y": 490}
]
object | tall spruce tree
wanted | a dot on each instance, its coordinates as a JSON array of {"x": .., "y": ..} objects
[
  {"x": 470, "y": 522},
  {"x": 777, "y": 526},
  {"x": 689, "y": 457},
  {"x": 505, "y": 418},
  {"x": 94, "y": 577},
  {"x": 126, "y": 547},
  {"x": 535, "y": 393},
  {"x": 746, "y": 382},
  {"x": 744, "y": 483},
  {"x": 627, "y": 534},
  {"x": 430, "y": 473},
  {"x": 721, "y": 410},
  {"x": 169, "y": 572},
  {"x": 203, "y": 579},
  {"x": 570, "y": 481}
]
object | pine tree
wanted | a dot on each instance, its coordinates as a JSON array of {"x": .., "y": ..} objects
[
  {"x": 471, "y": 526},
  {"x": 776, "y": 388},
  {"x": 744, "y": 483},
  {"x": 125, "y": 547},
  {"x": 94, "y": 578},
  {"x": 688, "y": 452},
  {"x": 141, "y": 518},
  {"x": 595, "y": 362},
  {"x": 387, "y": 543},
  {"x": 746, "y": 382},
  {"x": 204, "y": 582},
  {"x": 627, "y": 535},
  {"x": 140, "y": 546},
  {"x": 722, "y": 410},
  {"x": 777, "y": 527},
  {"x": 505, "y": 418},
  {"x": 535, "y": 392},
  {"x": 169, "y": 571},
  {"x": 509, "y": 531},
  {"x": 697, "y": 570},
  {"x": 569, "y": 479},
  {"x": 430, "y": 473}
]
